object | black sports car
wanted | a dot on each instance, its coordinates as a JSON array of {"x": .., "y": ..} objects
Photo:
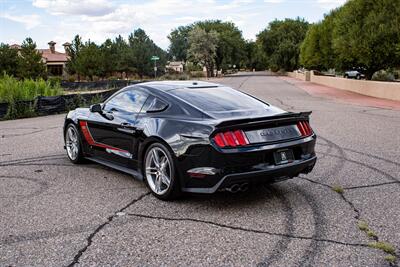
[{"x": 192, "y": 137}]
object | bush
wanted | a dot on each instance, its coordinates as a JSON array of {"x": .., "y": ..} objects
[
  {"x": 383, "y": 75},
  {"x": 193, "y": 67},
  {"x": 180, "y": 76},
  {"x": 54, "y": 81},
  {"x": 197, "y": 74},
  {"x": 72, "y": 78},
  {"x": 21, "y": 109}
]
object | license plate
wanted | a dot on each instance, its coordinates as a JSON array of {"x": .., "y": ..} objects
[{"x": 283, "y": 156}]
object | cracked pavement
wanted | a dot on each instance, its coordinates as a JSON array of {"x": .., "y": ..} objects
[{"x": 54, "y": 213}]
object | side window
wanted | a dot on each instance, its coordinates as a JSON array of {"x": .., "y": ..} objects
[
  {"x": 153, "y": 104},
  {"x": 128, "y": 101}
]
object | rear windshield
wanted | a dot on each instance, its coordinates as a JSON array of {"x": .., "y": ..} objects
[{"x": 218, "y": 99}]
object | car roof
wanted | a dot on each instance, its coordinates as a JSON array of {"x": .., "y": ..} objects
[{"x": 203, "y": 99}]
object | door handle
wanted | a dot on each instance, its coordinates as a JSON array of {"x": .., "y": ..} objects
[{"x": 127, "y": 128}]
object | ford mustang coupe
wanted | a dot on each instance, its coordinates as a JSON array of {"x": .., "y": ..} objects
[{"x": 195, "y": 137}]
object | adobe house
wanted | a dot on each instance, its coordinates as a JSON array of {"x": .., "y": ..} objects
[
  {"x": 55, "y": 61},
  {"x": 176, "y": 66}
]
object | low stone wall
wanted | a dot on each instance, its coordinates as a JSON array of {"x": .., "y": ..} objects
[
  {"x": 386, "y": 90},
  {"x": 297, "y": 75}
]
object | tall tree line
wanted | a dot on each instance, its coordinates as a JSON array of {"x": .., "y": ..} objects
[
  {"x": 362, "y": 34},
  {"x": 215, "y": 44},
  {"x": 115, "y": 57}
]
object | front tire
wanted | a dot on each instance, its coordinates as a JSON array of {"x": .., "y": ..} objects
[
  {"x": 73, "y": 144},
  {"x": 160, "y": 173}
]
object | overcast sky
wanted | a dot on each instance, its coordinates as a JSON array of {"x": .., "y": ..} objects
[{"x": 61, "y": 20}]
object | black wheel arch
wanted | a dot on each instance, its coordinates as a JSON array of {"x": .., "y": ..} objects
[
  {"x": 144, "y": 147},
  {"x": 148, "y": 142},
  {"x": 66, "y": 123}
]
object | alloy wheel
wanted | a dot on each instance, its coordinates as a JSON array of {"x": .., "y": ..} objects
[
  {"x": 158, "y": 171},
  {"x": 72, "y": 143}
]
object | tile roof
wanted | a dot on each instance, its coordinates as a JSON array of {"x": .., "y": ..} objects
[{"x": 53, "y": 57}]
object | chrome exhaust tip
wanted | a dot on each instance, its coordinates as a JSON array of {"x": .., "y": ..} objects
[
  {"x": 244, "y": 187},
  {"x": 233, "y": 189}
]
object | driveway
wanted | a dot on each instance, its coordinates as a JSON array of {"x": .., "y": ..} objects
[{"x": 54, "y": 213}]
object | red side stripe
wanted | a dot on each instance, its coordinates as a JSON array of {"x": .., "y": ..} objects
[{"x": 89, "y": 139}]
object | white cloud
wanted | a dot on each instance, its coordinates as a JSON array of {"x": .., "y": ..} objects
[
  {"x": 156, "y": 17},
  {"x": 29, "y": 21},
  {"x": 98, "y": 20},
  {"x": 273, "y": 1},
  {"x": 75, "y": 7}
]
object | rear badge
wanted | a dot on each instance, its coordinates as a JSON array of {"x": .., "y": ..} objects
[{"x": 273, "y": 134}]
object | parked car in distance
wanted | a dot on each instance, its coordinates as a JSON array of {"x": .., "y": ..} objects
[
  {"x": 192, "y": 136},
  {"x": 354, "y": 74}
]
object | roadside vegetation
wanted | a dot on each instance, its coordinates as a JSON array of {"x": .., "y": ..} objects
[
  {"x": 12, "y": 90},
  {"x": 362, "y": 34},
  {"x": 19, "y": 95}
]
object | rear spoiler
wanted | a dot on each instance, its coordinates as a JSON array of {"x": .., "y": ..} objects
[{"x": 272, "y": 120}]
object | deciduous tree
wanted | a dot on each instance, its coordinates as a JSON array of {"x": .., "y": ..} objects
[
  {"x": 281, "y": 42},
  {"x": 203, "y": 48},
  {"x": 366, "y": 34},
  {"x": 179, "y": 42},
  {"x": 231, "y": 44}
]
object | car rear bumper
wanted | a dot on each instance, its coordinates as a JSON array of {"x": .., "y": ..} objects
[{"x": 265, "y": 174}]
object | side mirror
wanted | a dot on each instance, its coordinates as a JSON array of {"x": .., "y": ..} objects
[{"x": 96, "y": 108}]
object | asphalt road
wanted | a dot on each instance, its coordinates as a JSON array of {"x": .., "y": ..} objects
[{"x": 53, "y": 213}]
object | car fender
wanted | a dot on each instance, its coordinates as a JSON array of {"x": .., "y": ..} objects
[{"x": 178, "y": 135}]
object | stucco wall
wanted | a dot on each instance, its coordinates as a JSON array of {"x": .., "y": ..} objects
[
  {"x": 387, "y": 90},
  {"x": 297, "y": 75}
]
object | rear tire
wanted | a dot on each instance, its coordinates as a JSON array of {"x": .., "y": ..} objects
[
  {"x": 160, "y": 173},
  {"x": 73, "y": 144},
  {"x": 346, "y": 76}
]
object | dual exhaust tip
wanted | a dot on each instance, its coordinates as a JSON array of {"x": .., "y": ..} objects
[{"x": 235, "y": 188}]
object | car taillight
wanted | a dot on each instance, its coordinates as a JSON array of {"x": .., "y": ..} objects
[
  {"x": 231, "y": 139},
  {"x": 304, "y": 128}
]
